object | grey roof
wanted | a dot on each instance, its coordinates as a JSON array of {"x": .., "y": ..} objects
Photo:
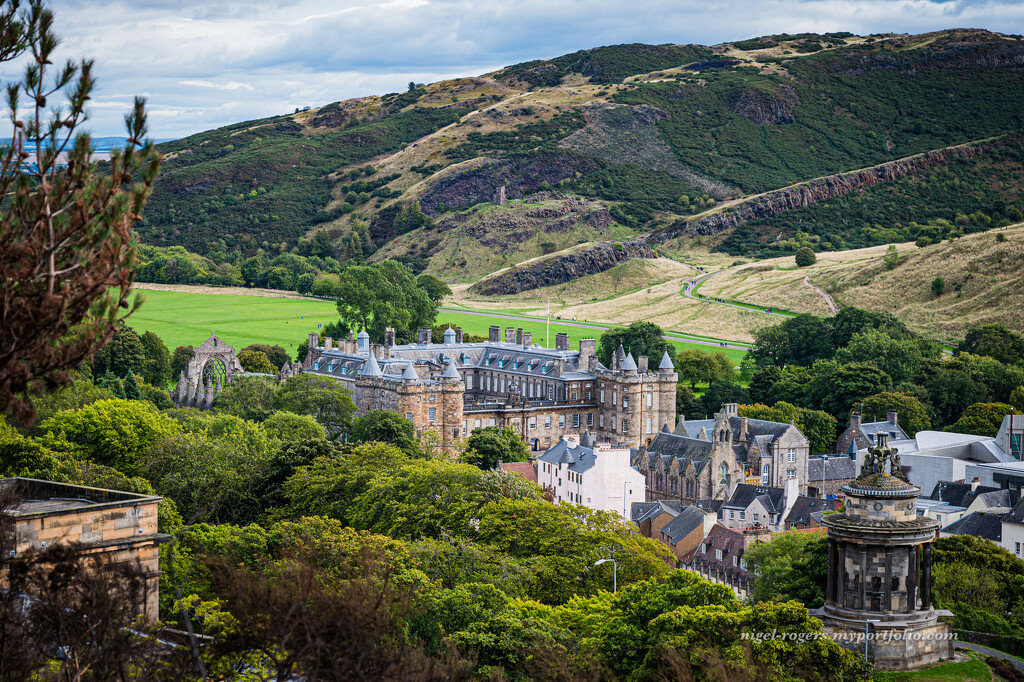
[
  {"x": 995, "y": 498},
  {"x": 956, "y": 493},
  {"x": 889, "y": 428},
  {"x": 1016, "y": 514},
  {"x": 643, "y": 511},
  {"x": 371, "y": 368},
  {"x": 363, "y": 335},
  {"x": 629, "y": 364},
  {"x": 745, "y": 494},
  {"x": 671, "y": 446},
  {"x": 666, "y": 362},
  {"x": 837, "y": 468},
  {"x": 805, "y": 506},
  {"x": 579, "y": 458},
  {"x": 587, "y": 440},
  {"x": 978, "y": 524},
  {"x": 410, "y": 373},
  {"x": 450, "y": 372},
  {"x": 710, "y": 505},
  {"x": 686, "y": 521}
]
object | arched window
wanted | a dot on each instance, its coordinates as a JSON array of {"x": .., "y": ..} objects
[{"x": 723, "y": 472}]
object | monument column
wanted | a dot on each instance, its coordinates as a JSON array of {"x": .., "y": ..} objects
[
  {"x": 830, "y": 590},
  {"x": 841, "y": 574},
  {"x": 888, "y": 579},
  {"x": 926, "y": 576}
]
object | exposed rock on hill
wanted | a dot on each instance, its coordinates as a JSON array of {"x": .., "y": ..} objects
[
  {"x": 767, "y": 107},
  {"x": 561, "y": 269},
  {"x": 799, "y": 196}
]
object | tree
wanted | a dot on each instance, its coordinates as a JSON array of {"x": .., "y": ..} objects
[
  {"x": 799, "y": 340},
  {"x": 276, "y": 353},
  {"x": 910, "y": 412},
  {"x": 838, "y": 388},
  {"x": 256, "y": 361},
  {"x": 304, "y": 283},
  {"x": 489, "y": 445},
  {"x": 938, "y": 286},
  {"x": 111, "y": 432},
  {"x": 791, "y": 565},
  {"x": 995, "y": 341},
  {"x": 805, "y": 257},
  {"x": 66, "y": 227},
  {"x": 981, "y": 419},
  {"x": 289, "y": 428},
  {"x": 952, "y": 387},
  {"x": 891, "y": 258},
  {"x": 322, "y": 247},
  {"x": 687, "y": 404},
  {"x": 250, "y": 398},
  {"x": 385, "y": 294},
  {"x": 251, "y": 270},
  {"x": 182, "y": 354},
  {"x": 323, "y": 398},
  {"x": 124, "y": 353},
  {"x": 386, "y": 426},
  {"x": 639, "y": 338},
  {"x": 762, "y": 384},
  {"x": 131, "y": 387},
  {"x": 435, "y": 288},
  {"x": 722, "y": 392},
  {"x": 901, "y": 360},
  {"x": 157, "y": 370},
  {"x": 695, "y": 367}
]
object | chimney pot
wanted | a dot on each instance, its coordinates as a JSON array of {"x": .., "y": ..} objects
[{"x": 494, "y": 333}]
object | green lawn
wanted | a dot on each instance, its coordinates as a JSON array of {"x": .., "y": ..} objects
[
  {"x": 188, "y": 319},
  {"x": 974, "y": 670}
]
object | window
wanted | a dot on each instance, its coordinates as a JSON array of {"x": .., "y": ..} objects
[
  {"x": 432, "y": 414},
  {"x": 476, "y": 424},
  {"x": 613, "y": 422},
  {"x": 791, "y": 455},
  {"x": 465, "y": 425},
  {"x": 790, "y": 474},
  {"x": 735, "y": 561},
  {"x": 408, "y": 415},
  {"x": 718, "y": 554},
  {"x": 587, "y": 396},
  {"x": 723, "y": 472},
  {"x": 488, "y": 382},
  {"x": 469, "y": 381},
  {"x": 1015, "y": 445},
  {"x": 590, "y": 418},
  {"x": 732, "y": 515},
  {"x": 601, "y": 421},
  {"x": 615, "y": 397},
  {"x": 490, "y": 422},
  {"x": 650, "y": 400},
  {"x": 625, "y": 425},
  {"x": 743, "y": 516},
  {"x": 561, "y": 421},
  {"x": 547, "y": 421},
  {"x": 575, "y": 395},
  {"x": 602, "y": 395},
  {"x": 576, "y": 421},
  {"x": 625, "y": 402},
  {"x": 551, "y": 392},
  {"x": 1017, "y": 552},
  {"x": 703, "y": 549},
  {"x": 649, "y": 425},
  {"x": 533, "y": 423},
  {"x": 547, "y": 440},
  {"x": 938, "y": 517}
]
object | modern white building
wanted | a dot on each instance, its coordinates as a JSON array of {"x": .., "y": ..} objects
[{"x": 596, "y": 475}]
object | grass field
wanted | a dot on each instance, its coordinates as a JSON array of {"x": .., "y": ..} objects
[{"x": 189, "y": 318}]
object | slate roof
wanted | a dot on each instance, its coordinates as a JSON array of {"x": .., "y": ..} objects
[
  {"x": 956, "y": 493},
  {"x": 838, "y": 468},
  {"x": 686, "y": 521},
  {"x": 710, "y": 505},
  {"x": 579, "y": 458},
  {"x": 1016, "y": 514},
  {"x": 745, "y": 494},
  {"x": 643, "y": 511},
  {"x": 889, "y": 428},
  {"x": 804, "y": 507},
  {"x": 979, "y": 525},
  {"x": 669, "y": 446}
]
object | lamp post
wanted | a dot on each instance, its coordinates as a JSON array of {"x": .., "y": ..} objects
[
  {"x": 824, "y": 461},
  {"x": 866, "y": 623},
  {"x": 615, "y": 571}
]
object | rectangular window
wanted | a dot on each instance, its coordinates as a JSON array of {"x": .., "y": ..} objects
[
  {"x": 469, "y": 382},
  {"x": 561, "y": 421},
  {"x": 551, "y": 392},
  {"x": 732, "y": 515},
  {"x": 790, "y": 474},
  {"x": 718, "y": 554},
  {"x": 625, "y": 402},
  {"x": 649, "y": 425},
  {"x": 476, "y": 423},
  {"x": 625, "y": 425},
  {"x": 488, "y": 382},
  {"x": 791, "y": 455},
  {"x": 613, "y": 422},
  {"x": 547, "y": 440},
  {"x": 547, "y": 421},
  {"x": 531, "y": 389},
  {"x": 408, "y": 415},
  {"x": 1017, "y": 552},
  {"x": 575, "y": 395},
  {"x": 576, "y": 421},
  {"x": 602, "y": 395},
  {"x": 465, "y": 425},
  {"x": 490, "y": 422},
  {"x": 650, "y": 400},
  {"x": 615, "y": 398},
  {"x": 743, "y": 516},
  {"x": 432, "y": 414},
  {"x": 601, "y": 421},
  {"x": 764, "y": 469},
  {"x": 590, "y": 418},
  {"x": 1015, "y": 445},
  {"x": 703, "y": 549},
  {"x": 587, "y": 396},
  {"x": 734, "y": 561},
  {"x": 533, "y": 423}
]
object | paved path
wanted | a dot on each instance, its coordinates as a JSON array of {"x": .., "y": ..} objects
[
  {"x": 1012, "y": 660},
  {"x": 688, "y": 292},
  {"x": 597, "y": 327}
]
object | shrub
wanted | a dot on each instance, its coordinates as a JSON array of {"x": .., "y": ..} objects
[
  {"x": 938, "y": 286},
  {"x": 891, "y": 258},
  {"x": 805, "y": 256},
  {"x": 1000, "y": 237},
  {"x": 922, "y": 242}
]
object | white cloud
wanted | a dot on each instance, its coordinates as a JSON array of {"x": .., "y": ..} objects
[{"x": 216, "y": 62}]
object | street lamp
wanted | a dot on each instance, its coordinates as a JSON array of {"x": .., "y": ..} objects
[
  {"x": 866, "y": 623},
  {"x": 615, "y": 572},
  {"x": 824, "y": 461}
]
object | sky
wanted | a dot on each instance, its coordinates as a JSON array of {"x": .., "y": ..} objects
[{"x": 202, "y": 64}]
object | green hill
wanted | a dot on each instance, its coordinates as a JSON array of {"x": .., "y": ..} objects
[{"x": 660, "y": 137}]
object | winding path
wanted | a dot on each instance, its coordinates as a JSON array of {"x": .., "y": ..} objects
[
  {"x": 829, "y": 301},
  {"x": 1012, "y": 660},
  {"x": 688, "y": 293}
]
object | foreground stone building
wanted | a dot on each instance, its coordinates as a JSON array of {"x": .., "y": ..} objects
[
  {"x": 879, "y": 570},
  {"x": 119, "y": 526},
  {"x": 707, "y": 459},
  {"x": 542, "y": 393}
]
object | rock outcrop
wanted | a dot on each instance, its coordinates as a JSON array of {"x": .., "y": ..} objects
[
  {"x": 766, "y": 107},
  {"x": 805, "y": 193},
  {"x": 561, "y": 269}
]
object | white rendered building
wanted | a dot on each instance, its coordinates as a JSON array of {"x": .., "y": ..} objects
[{"x": 595, "y": 475}]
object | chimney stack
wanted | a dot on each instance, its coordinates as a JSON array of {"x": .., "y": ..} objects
[
  {"x": 527, "y": 338},
  {"x": 510, "y": 334},
  {"x": 892, "y": 416},
  {"x": 458, "y": 335},
  {"x": 424, "y": 336},
  {"x": 641, "y": 364},
  {"x": 855, "y": 421},
  {"x": 561, "y": 341},
  {"x": 588, "y": 355},
  {"x": 519, "y": 337},
  {"x": 389, "y": 336},
  {"x": 975, "y": 483},
  {"x": 328, "y": 343},
  {"x": 494, "y": 333}
]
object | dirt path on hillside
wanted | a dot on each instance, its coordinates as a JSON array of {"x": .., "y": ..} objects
[
  {"x": 222, "y": 291},
  {"x": 829, "y": 301}
]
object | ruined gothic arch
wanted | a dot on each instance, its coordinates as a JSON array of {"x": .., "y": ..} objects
[{"x": 213, "y": 366}]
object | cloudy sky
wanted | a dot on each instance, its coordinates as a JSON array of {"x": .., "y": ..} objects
[{"x": 207, "y": 63}]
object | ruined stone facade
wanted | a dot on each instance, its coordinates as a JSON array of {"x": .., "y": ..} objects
[
  {"x": 213, "y": 366},
  {"x": 541, "y": 393}
]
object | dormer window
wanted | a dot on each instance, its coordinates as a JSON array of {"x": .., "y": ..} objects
[{"x": 529, "y": 367}]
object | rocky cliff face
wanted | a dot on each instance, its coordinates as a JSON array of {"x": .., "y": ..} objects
[
  {"x": 518, "y": 175},
  {"x": 799, "y": 196},
  {"x": 561, "y": 269}
]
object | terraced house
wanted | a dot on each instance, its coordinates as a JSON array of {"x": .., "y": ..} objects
[
  {"x": 542, "y": 393},
  {"x": 708, "y": 459}
]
